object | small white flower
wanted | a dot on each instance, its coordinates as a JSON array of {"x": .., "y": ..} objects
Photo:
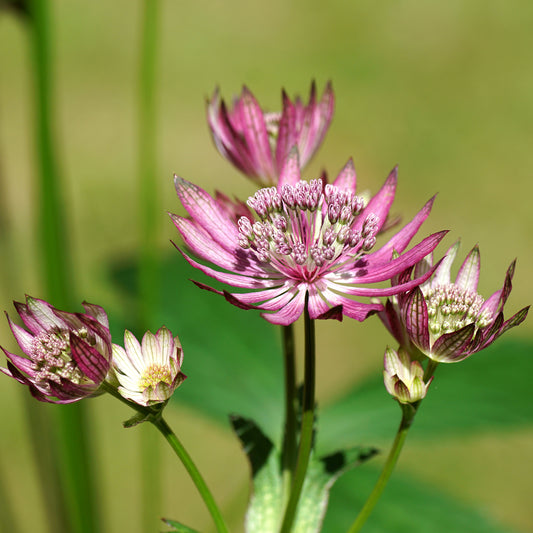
[{"x": 148, "y": 373}]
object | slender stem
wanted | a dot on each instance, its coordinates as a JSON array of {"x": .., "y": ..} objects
[
  {"x": 72, "y": 453},
  {"x": 148, "y": 262},
  {"x": 289, "y": 433},
  {"x": 197, "y": 478},
  {"x": 407, "y": 418},
  {"x": 147, "y": 149},
  {"x": 408, "y": 414},
  {"x": 153, "y": 415},
  {"x": 307, "y": 423}
]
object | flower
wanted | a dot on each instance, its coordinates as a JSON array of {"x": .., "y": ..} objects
[
  {"x": 307, "y": 238},
  {"x": 257, "y": 143},
  {"x": 148, "y": 373},
  {"x": 404, "y": 379},
  {"x": 68, "y": 354},
  {"x": 448, "y": 321}
]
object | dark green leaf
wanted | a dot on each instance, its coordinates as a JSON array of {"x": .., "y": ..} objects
[{"x": 177, "y": 527}]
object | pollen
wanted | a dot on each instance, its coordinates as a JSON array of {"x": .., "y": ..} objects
[
  {"x": 451, "y": 308},
  {"x": 154, "y": 375}
]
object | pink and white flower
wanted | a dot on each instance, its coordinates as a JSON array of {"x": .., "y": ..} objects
[
  {"x": 307, "y": 238},
  {"x": 67, "y": 354},
  {"x": 148, "y": 373},
  {"x": 257, "y": 143},
  {"x": 449, "y": 321}
]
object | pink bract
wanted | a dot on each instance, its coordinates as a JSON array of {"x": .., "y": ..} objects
[
  {"x": 306, "y": 238},
  {"x": 257, "y": 143},
  {"x": 67, "y": 354}
]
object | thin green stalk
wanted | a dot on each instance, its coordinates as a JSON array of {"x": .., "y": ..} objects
[
  {"x": 147, "y": 150},
  {"x": 72, "y": 452},
  {"x": 195, "y": 475},
  {"x": 154, "y": 415},
  {"x": 150, "y": 459},
  {"x": 407, "y": 418},
  {"x": 290, "y": 428},
  {"x": 307, "y": 423},
  {"x": 408, "y": 415}
]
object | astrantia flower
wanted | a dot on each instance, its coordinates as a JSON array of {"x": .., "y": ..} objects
[
  {"x": 67, "y": 354},
  {"x": 257, "y": 143},
  {"x": 404, "y": 379},
  {"x": 450, "y": 321},
  {"x": 306, "y": 238},
  {"x": 148, "y": 373}
]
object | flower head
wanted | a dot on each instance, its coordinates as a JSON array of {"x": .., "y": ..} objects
[
  {"x": 448, "y": 321},
  {"x": 67, "y": 354},
  {"x": 306, "y": 238},
  {"x": 404, "y": 379},
  {"x": 257, "y": 143},
  {"x": 148, "y": 373}
]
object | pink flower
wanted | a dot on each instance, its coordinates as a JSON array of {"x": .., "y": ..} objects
[
  {"x": 257, "y": 143},
  {"x": 306, "y": 238},
  {"x": 68, "y": 354},
  {"x": 448, "y": 321}
]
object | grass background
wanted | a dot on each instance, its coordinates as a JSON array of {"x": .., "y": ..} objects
[{"x": 443, "y": 89}]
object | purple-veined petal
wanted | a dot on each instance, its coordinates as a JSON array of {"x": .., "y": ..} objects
[
  {"x": 289, "y": 312},
  {"x": 23, "y": 364},
  {"x": 442, "y": 274},
  {"x": 468, "y": 275},
  {"x": 287, "y": 134},
  {"x": 23, "y": 337},
  {"x": 92, "y": 363},
  {"x": 206, "y": 212},
  {"x": 452, "y": 347},
  {"x": 255, "y": 133},
  {"x": 415, "y": 315}
]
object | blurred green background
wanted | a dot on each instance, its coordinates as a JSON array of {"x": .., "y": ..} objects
[{"x": 445, "y": 90}]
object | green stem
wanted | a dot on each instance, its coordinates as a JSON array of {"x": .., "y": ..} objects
[
  {"x": 307, "y": 423},
  {"x": 195, "y": 475},
  {"x": 154, "y": 415},
  {"x": 147, "y": 149},
  {"x": 289, "y": 433},
  {"x": 408, "y": 415},
  {"x": 72, "y": 454},
  {"x": 409, "y": 412},
  {"x": 148, "y": 262}
]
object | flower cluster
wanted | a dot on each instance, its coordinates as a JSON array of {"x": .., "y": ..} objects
[
  {"x": 449, "y": 321},
  {"x": 258, "y": 143},
  {"x": 305, "y": 238},
  {"x": 70, "y": 355}
]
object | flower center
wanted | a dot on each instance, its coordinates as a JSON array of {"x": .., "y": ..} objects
[
  {"x": 154, "y": 375},
  {"x": 451, "y": 308},
  {"x": 51, "y": 357},
  {"x": 306, "y": 228}
]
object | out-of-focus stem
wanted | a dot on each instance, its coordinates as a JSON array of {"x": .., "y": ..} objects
[
  {"x": 72, "y": 453},
  {"x": 148, "y": 262},
  {"x": 307, "y": 423}
]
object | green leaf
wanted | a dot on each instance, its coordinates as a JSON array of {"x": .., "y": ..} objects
[
  {"x": 407, "y": 506},
  {"x": 491, "y": 389},
  {"x": 265, "y": 511},
  {"x": 177, "y": 527}
]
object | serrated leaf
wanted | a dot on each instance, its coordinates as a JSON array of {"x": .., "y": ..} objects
[
  {"x": 177, "y": 527},
  {"x": 266, "y": 508}
]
